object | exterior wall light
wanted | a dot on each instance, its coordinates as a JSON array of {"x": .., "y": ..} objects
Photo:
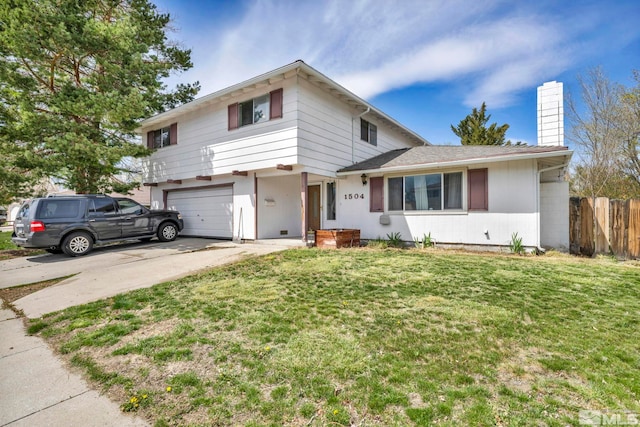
[{"x": 364, "y": 178}]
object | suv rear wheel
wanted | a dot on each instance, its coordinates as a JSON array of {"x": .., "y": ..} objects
[
  {"x": 77, "y": 244},
  {"x": 167, "y": 232}
]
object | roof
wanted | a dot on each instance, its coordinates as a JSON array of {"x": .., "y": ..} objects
[
  {"x": 451, "y": 155},
  {"x": 298, "y": 68}
]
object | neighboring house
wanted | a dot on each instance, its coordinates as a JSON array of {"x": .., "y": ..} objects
[{"x": 291, "y": 151}]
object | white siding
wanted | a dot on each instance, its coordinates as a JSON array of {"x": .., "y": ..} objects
[
  {"x": 206, "y": 146},
  {"x": 554, "y": 215},
  {"x": 279, "y": 207},
  {"x": 512, "y": 208},
  {"x": 318, "y": 132},
  {"x": 329, "y": 132}
]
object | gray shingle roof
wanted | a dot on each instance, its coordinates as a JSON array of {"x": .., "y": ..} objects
[{"x": 435, "y": 154}]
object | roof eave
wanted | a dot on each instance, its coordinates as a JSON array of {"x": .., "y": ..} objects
[{"x": 457, "y": 163}]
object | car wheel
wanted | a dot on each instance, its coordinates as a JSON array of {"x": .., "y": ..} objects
[
  {"x": 167, "y": 232},
  {"x": 55, "y": 250},
  {"x": 77, "y": 244}
]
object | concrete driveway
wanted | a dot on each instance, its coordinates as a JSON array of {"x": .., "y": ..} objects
[{"x": 108, "y": 271}]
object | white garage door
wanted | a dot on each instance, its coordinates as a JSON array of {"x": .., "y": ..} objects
[{"x": 205, "y": 212}]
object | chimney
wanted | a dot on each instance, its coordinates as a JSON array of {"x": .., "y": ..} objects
[{"x": 550, "y": 115}]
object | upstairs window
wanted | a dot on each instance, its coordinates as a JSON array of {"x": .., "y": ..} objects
[
  {"x": 368, "y": 132},
  {"x": 256, "y": 110},
  {"x": 163, "y": 137}
]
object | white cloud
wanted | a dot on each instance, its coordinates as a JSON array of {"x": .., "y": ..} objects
[{"x": 373, "y": 46}]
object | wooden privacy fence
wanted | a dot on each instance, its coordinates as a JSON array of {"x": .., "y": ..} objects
[{"x": 602, "y": 226}]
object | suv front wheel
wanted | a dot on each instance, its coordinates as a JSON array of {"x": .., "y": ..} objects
[
  {"x": 167, "y": 232},
  {"x": 77, "y": 244}
]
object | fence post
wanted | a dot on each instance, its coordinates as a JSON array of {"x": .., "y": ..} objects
[
  {"x": 586, "y": 227},
  {"x": 602, "y": 225},
  {"x": 618, "y": 222},
  {"x": 574, "y": 225}
]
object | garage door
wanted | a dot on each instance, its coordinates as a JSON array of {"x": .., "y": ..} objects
[{"x": 206, "y": 212}]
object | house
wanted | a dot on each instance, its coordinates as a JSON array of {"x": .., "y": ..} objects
[{"x": 291, "y": 151}]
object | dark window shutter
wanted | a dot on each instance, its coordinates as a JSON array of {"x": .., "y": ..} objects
[
  {"x": 150, "y": 139},
  {"x": 173, "y": 134},
  {"x": 275, "y": 104},
  {"x": 364, "y": 130},
  {"x": 233, "y": 116},
  {"x": 478, "y": 190},
  {"x": 376, "y": 194}
]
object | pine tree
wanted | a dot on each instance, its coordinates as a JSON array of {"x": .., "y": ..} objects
[
  {"x": 76, "y": 77},
  {"x": 473, "y": 130}
]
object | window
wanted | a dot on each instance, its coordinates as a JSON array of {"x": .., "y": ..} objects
[
  {"x": 478, "y": 190},
  {"x": 24, "y": 211},
  {"x": 368, "y": 132},
  {"x": 395, "y": 194},
  {"x": 101, "y": 207},
  {"x": 431, "y": 192},
  {"x": 331, "y": 201},
  {"x": 163, "y": 137},
  {"x": 59, "y": 209},
  {"x": 256, "y": 110},
  {"x": 128, "y": 207}
]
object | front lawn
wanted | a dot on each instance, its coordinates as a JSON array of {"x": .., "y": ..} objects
[{"x": 368, "y": 337}]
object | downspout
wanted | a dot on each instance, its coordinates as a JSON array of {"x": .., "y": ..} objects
[
  {"x": 353, "y": 136},
  {"x": 540, "y": 172}
]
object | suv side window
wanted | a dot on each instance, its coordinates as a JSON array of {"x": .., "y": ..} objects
[
  {"x": 53, "y": 209},
  {"x": 101, "y": 207},
  {"x": 129, "y": 207}
]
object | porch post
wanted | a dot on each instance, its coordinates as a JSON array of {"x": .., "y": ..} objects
[
  {"x": 303, "y": 200},
  {"x": 255, "y": 201}
]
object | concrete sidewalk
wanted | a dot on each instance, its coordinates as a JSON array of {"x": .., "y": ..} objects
[
  {"x": 37, "y": 390},
  {"x": 35, "y": 387}
]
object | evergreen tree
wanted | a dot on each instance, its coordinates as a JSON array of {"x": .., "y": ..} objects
[
  {"x": 76, "y": 77},
  {"x": 473, "y": 130}
]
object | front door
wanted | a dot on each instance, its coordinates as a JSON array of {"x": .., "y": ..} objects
[{"x": 313, "y": 204}]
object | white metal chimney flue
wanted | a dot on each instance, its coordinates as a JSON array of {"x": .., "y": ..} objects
[{"x": 550, "y": 115}]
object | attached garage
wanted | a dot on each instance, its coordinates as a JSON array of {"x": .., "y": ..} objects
[{"x": 207, "y": 211}]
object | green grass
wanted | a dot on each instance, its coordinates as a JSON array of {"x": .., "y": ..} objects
[
  {"x": 5, "y": 241},
  {"x": 371, "y": 337}
]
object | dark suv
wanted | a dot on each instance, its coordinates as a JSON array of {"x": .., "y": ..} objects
[{"x": 73, "y": 224}]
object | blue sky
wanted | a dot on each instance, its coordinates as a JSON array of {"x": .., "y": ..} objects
[{"x": 426, "y": 63}]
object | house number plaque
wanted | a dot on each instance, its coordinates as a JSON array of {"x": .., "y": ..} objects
[{"x": 352, "y": 196}]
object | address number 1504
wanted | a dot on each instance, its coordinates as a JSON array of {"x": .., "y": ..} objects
[{"x": 355, "y": 196}]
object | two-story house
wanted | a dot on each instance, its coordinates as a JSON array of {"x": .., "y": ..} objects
[{"x": 291, "y": 151}]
